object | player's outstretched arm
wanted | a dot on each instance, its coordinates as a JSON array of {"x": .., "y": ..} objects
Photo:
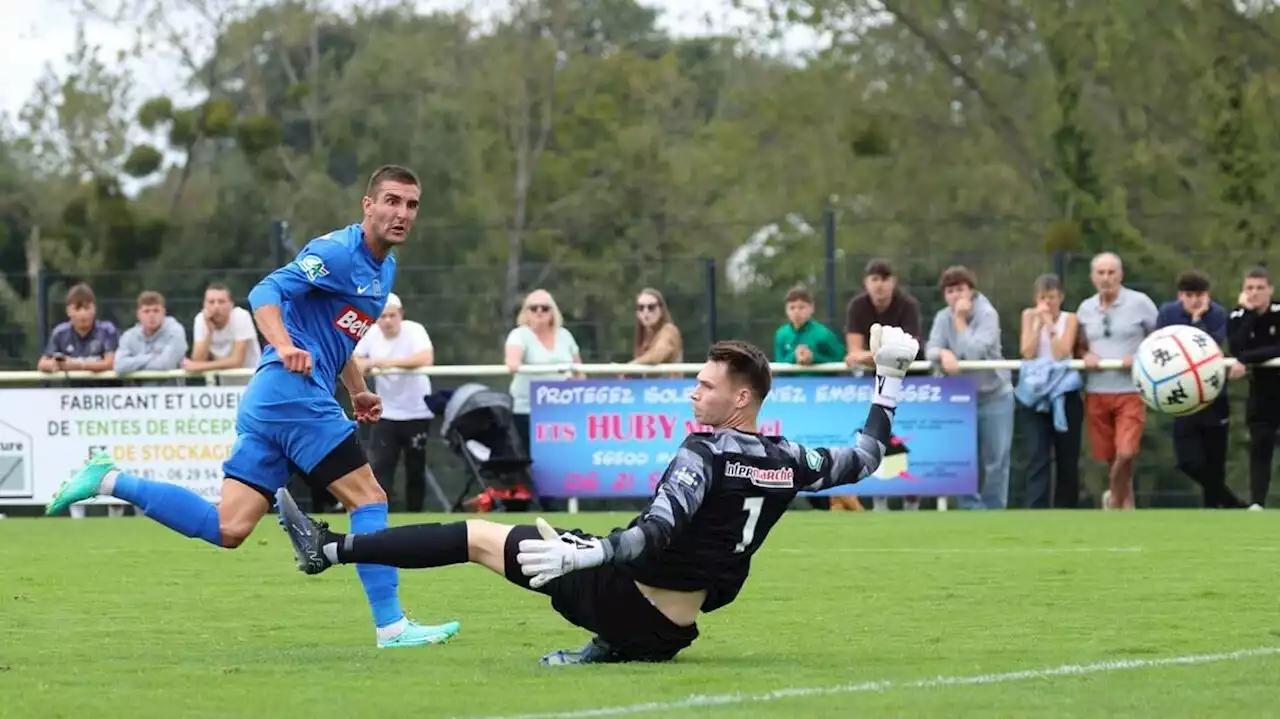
[
  {"x": 679, "y": 495},
  {"x": 893, "y": 350}
]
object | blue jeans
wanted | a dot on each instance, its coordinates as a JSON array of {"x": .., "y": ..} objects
[{"x": 995, "y": 442}]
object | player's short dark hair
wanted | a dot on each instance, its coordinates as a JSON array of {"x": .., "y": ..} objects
[
  {"x": 1047, "y": 283},
  {"x": 1193, "y": 281},
  {"x": 799, "y": 293},
  {"x": 80, "y": 295},
  {"x": 1258, "y": 273},
  {"x": 957, "y": 275},
  {"x": 878, "y": 268},
  {"x": 150, "y": 298},
  {"x": 390, "y": 173},
  {"x": 746, "y": 363}
]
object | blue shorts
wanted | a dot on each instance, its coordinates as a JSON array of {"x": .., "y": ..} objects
[{"x": 285, "y": 420}]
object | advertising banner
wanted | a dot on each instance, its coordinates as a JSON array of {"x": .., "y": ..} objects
[
  {"x": 614, "y": 438},
  {"x": 174, "y": 434}
]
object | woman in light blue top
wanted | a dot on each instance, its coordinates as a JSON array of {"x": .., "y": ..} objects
[{"x": 538, "y": 339}]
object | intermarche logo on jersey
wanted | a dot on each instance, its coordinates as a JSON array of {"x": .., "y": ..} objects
[
  {"x": 353, "y": 322},
  {"x": 773, "y": 478}
]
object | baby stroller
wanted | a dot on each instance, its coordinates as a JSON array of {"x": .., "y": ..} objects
[{"x": 479, "y": 429}]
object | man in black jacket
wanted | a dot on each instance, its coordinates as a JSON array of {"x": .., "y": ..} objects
[
  {"x": 1253, "y": 329},
  {"x": 1200, "y": 439}
]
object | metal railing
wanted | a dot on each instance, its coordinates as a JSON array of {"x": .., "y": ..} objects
[{"x": 605, "y": 369}]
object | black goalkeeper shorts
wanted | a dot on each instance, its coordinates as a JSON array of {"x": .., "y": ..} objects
[{"x": 605, "y": 601}]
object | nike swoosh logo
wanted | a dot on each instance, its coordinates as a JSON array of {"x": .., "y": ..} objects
[{"x": 361, "y": 290}]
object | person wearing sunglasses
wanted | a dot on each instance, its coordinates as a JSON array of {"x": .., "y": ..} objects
[
  {"x": 658, "y": 339},
  {"x": 540, "y": 338},
  {"x": 1113, "y": 323}
]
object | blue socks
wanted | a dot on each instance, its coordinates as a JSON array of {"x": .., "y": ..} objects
[
  {"x": 380, "y": 582},
  {"x": 177, "y": 508}
]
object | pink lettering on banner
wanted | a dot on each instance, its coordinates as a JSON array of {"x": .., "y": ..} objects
[
  {"x": 625, "y": 482},
  {"x": 769, "y": 428},
  {"x": 576, "y": 482},
  {"x": 554, "y": 432},
  {"x": 621, "y": 428}
]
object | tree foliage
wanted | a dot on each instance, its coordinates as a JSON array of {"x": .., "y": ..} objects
[{"x": 575, "y": 145}]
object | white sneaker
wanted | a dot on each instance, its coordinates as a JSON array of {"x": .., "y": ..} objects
[
  {"x": 1255, "y": 507},
  {"x": 1106, "y": 500}
]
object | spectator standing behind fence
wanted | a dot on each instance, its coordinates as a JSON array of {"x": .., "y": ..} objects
[
  {"x": 540, "y": 338},
  {"x": 1200, "y": 440},
  {"x": 395, "y": 342},
  {"x": 1114, "y": 322},
  {"x": 657, "y": 339},
  {"x": 880, "y": 302},
  {"x": 82, "y": 343},
  {"x": 1254, "y": 331},
  {"x": 968, "y": 328},
  {"x": 1052, "y": 410},
  {"x": 157, "y": 342},
  {"x": 224, "y": 337},
  {"x": 803, "y": 340}
]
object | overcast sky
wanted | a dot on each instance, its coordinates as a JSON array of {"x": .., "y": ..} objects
[{"x": 38, "y": 33}]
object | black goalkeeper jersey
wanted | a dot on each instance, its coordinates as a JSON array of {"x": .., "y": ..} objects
[{"x": 717, "y": 501}]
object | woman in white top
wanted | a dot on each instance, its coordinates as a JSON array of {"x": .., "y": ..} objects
[{"x": 1049, "y": 333}]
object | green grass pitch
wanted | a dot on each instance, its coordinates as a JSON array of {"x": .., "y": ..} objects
[{"x": 1012, "y": 614}]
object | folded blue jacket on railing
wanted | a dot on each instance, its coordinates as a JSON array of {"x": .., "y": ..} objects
[{"x": 1042, "y": 384}]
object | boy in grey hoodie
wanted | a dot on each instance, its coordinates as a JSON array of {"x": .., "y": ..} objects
[
  {"x": 969, "y": 329},
  {"x": 157, "y": 342}
]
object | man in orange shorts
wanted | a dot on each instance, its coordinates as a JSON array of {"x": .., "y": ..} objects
[{"x": 1114, "y": 322}]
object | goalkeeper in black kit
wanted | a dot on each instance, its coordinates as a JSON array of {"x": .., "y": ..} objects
[{"x": 640, "y": 590}]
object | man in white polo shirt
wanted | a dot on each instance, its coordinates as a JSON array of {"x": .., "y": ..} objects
[
  {"x": 224, "y": 335},
  {"x": 406, "y": 419}
]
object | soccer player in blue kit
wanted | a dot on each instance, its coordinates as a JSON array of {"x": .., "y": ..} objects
[{"x": 312, "y": 312}]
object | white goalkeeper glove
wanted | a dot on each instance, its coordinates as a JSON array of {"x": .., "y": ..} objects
[
  {"x": 555, "y": 555},
  {"x": 894, "y": 350}
]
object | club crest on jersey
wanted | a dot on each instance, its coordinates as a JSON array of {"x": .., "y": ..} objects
[
  {"x": 313, "y": 267},
  {"x": 353, "y": 323},
  {"x": 770, "y": 478},
  {"x": 813, "y": 459}
]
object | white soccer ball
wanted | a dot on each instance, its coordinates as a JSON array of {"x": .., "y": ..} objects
[{"x": 1179, "y": 370}]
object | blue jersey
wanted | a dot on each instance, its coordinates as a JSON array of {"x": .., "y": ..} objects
[{"x": 330, "y": 295}]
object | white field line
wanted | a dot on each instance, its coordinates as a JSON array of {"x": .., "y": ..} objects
[{"x": 1066, "y": 670}]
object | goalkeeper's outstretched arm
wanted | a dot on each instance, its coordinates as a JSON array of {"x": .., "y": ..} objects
[
  {"x": 893, "y": 350},
  {"x": 833, "y": 466}
]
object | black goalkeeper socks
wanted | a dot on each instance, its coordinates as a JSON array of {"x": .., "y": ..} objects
[{"x": 415, "y": 546}]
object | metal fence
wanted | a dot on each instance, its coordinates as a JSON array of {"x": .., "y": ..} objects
[{"x": 732, "y": 288}]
